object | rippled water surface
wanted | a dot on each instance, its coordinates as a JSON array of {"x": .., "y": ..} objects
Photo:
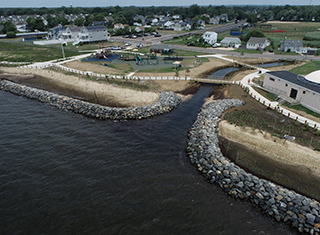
[{"x": 63, "y": 173}]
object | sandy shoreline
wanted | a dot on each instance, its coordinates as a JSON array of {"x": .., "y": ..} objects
[{"x": 106, "y": 92}]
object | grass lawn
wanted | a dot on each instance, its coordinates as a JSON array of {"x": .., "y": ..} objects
[
  {"x": 306, "y": 68},
  {"x": 14, "y": 50},
  {"x": 249, "y": 51}
]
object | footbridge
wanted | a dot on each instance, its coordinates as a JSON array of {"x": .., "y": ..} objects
[{"x": 214, "y": 81}]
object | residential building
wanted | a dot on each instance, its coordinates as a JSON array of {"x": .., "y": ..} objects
[
  {"x": 210, "y": 37},
  {"x": 139, "y": 19},
  {"x": 295, "y": 86},
  {"x": 89, "y": 34},
  {"x": 291, "y": 45},
  {"x": 255, "y": 43},
  {"x": 230, "y": 42}
]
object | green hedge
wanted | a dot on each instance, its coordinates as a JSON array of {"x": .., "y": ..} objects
[{"x": 312, "y": 36}]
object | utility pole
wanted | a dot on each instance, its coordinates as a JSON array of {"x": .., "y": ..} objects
[{"x": 62, "y": 50}]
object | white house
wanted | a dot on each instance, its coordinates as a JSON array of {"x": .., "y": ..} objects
[
  {"x": 139, "y": 29},
  {"x": 297, "y": 87},
  {"x": 291, "y": 45},
  {"x": 90, "y": 34},
  {"x": 255, "y": 43},
  {"x": 210, "y": 37},
  {"x": 231, "y": 42},
  {"x": 118, "y": 26},
  {"x": 70, "y": 33}
]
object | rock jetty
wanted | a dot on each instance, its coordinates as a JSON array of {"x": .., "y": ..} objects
[
  {"x": 273, "y": 200},
  {"x": 167, "y": 102}
]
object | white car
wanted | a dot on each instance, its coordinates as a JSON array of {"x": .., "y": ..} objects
[{"x": 128, "y": 44}]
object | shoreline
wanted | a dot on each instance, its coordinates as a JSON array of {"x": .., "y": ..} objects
[
  {"x": 275, "y": 201},
  {"x": 285, "y": 164}
]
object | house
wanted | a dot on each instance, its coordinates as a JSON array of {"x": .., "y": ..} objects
[
  {"x": 291, "y": 45},
  {"x": 139, "y": 19},
  {"x": 161, "y": 49},
  {"x": 210, "y": 37},
  {"x": 54, "y": 32},
  {"x": 22, "y": 27},
  {"x": 303, "y": 90},
  {"x": 224, "y": 18},
  {"x": 154, "y": 21},
  {"x": 255, "y": 43},
  {"x": 89, "y": 34},
  {"x": 70, "y": 33},
  {"x": 230, "y": 42},
  {"x": 214, "y": 20},
  {"x": 118, "y": 26},
  {"x": 139, "y": 29}
]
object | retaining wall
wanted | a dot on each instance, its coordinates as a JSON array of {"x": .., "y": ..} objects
[
  {"x": 167, "y": 102},
  {"x": 273, "y": 200}
]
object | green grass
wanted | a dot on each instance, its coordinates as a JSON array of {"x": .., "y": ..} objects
[
  {"x": 299, "y": 107},
  {"x": 306, "y": 68},
  {"x": 14, "y": 50},
  {"x": 249, "y": 51}
]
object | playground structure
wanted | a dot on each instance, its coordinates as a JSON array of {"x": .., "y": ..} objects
[
  {"x": 102, "y": 54},
  {"x": 173, "y": 57},
  {"x": 148, "y": 59}
]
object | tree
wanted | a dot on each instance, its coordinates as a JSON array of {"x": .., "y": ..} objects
[
  {"x": 8, "y": 27},
  {"x": 252, "y": 18},
  {"x": 11, "y": 34},
  {"x": 79, "y": 21},
  {"x": 254, "y": 33},
  {"x": 35, "y": 23}
]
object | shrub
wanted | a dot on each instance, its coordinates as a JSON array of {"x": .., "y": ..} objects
[{"x": 11, "y": 34}]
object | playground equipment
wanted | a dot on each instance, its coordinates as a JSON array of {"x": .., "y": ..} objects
[
  {"x": 102, "y": 54},
  {"x": 173, "y": 57},
  {"x": 149, "y": 59}
]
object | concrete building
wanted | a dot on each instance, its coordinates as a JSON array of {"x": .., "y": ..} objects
[{"x": 295, "y": 86}]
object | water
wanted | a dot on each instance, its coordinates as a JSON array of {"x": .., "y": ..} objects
[
  {"x": 220, "y": 74},
  {"x": 63, "y": 173}
]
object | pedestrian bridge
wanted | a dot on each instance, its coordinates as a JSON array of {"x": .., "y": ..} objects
[{"x": 214, "y": 81}]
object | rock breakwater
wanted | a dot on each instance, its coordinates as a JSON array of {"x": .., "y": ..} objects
[
  {"x": 273, "y": 200},
  {"x": 167, "y": 102}
]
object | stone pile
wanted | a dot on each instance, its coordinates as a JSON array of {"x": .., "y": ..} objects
[
  {"x": 167, "y": 102},
  {"x": 275, "y": 201}
]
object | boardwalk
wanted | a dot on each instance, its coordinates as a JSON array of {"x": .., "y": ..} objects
[{"x": 215, "y": 81}]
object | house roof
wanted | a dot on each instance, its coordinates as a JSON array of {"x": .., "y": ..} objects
[
  {"x": 257, "y": 40},
  {"x": 230, "y": 39},
  {"x": 95, "y": 27},
  {"x": 292, "y": 43},
  {"x": 297, "y": 80}
]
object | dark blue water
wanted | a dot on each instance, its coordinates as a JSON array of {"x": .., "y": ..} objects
[{"x": 63, "y": 173}]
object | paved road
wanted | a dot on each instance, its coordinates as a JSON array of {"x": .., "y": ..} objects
[{"x": 167, "y": 35}]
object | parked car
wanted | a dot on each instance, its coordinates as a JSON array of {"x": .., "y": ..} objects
[
  {"x": 146, "y": 34},
  {"x": 125, "y": 36},
  {"x": 154, "y": 33},
  {"x": 132, "y": 36},
  {"x": 139, "y": 35},
  {"x": 128, "y": 44},
  {"x": 190, "y": 44},
  {"x": 271, "y": 50},
  {"x": 157, "y": 35},
  {"x": 115, "y": 48}
]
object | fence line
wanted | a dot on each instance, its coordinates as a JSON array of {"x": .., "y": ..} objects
[{"x": 282, "y": 111}]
